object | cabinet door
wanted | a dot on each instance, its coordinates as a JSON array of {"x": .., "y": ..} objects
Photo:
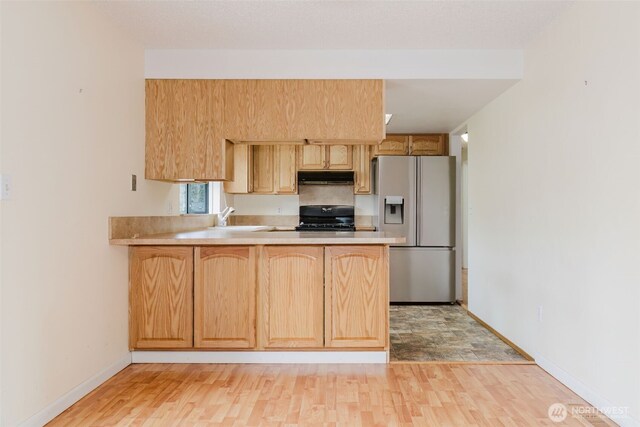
[
  {"x": 293, "y": 110},
  {"x": 291, "y": 294},
  {"x": 263, "y": 174},
  {"x": 340, "y": 157},
  {"x": 224, "y": 297},
  {"x": 242, "y": 170},
  {"x": 312, "y": 157},
  {"x": 347, "y": 110},
  {"x": 266, "y": 110},
  {"x": 356, "y": 296},
  {"x": 161, "y": 297},
  {"x": 184, "y": 137},
  {"x": 393, "y": 145},
  {"x": 428, "y": 145},
  {"x": 285, "y": 169},
  {"x": 362, "y": 169}
]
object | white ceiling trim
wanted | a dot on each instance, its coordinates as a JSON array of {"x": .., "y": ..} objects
[{"x": 331, "y": 64}]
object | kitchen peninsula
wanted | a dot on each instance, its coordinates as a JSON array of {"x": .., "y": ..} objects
[{"x": 214, "y": 295}]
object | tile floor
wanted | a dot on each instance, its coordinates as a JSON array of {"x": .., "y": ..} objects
[{"x": 443, "y": 333}]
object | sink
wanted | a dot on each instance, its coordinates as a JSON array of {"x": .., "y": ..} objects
[{"x": 245, "y": 228}]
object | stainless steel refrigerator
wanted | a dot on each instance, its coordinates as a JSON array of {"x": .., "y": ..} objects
[{"x": 416, "y": 199}]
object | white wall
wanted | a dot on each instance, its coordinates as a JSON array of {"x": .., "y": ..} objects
[
  {"x": 72, "y": 133},
  {"x": 555, "y": 199},
  {"x": 328, "y": 64}
]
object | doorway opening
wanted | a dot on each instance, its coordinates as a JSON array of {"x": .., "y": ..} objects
[{"x": 448, "y": 332}]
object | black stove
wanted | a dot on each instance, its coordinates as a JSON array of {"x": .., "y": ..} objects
[{"x": 326, "y": 218}]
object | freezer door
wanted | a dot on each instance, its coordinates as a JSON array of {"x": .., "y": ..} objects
[
  {"x": 436, "y": 201},
  {"x": 422, "y": 275},
  {"x": 396, "y": 184}
]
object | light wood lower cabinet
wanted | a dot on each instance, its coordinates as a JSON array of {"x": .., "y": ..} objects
[
  {"x": 224, "y": 297},
  {"x": 291, "y": 296},
  {"x": 161, "y": 297},
  {"x": 356, "y": 296},
  {"x": 258, "y": 297}
]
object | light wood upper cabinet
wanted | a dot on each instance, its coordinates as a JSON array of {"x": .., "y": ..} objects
[
  {"x": 356, "y": 296},
  {"x": 295, "y": 110},
  {"x": 184, "y": 137},
  {"x": 435, "y": 144},
  {"x": 393, "y": 145},
  {"x": 362, "y": 169},
  {"x": 274, "y": 169},
  {"x": 286, "y": 172},
  {"x": 312, "y": 157},
  {"x": 339, "y": 157},
  {"x": 291, "y": 296},
  {"x": 160, "y": 297},
  {"x": 263, "y": 173},
  {"x": 242, "y": 170},
  {"x": 225, "y": 297},
  {"x": 319, "y": 157},
  {"x": 428, "y": 144}
]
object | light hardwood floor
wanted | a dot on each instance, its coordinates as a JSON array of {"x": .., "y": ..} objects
[{"x": 384, "y": 395}]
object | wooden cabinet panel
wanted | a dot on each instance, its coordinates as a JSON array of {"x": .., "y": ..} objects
[
  {"x": 286, "y": 178},
  {"x": 242, "y": 170},
  {"x": 291, "y": 294},
  {"x": 347, "y": 110},
  {"x": 263, "y": 110},
  {"x": 295, "y": 110},
  {"x": 318, "y": 157},
  {"x": 356, "y": 296},
  {"x": 263, "y": 173},
  {"x": 428, "y": 145},
  {"x": 339, "y": 157},
  {"x": 161, "y": 297},
  {"x": 393, "y": 145},
  {"x": 362, "y": 169},
  {"x": 184, "y": 131},
  {"x": 274, "y": 169},
  {"x": 224, "y": 297},
  {"x": 312, "y": 157}
]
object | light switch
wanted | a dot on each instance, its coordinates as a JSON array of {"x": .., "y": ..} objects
[
  {"x": 5, "y": 187},
  {"x": 134, "y": 182}
]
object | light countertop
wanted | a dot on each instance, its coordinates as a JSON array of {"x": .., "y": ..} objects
[{"x": 220, "y": 236}]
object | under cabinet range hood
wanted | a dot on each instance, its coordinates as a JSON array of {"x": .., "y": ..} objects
[{"x": 325, "y": 178}]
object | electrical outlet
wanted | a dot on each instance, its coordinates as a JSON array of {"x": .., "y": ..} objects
[
  {"x": 134, "y": 182},
  {"x": 279, "y": 210},
  {"x": 539, "y": 313}
]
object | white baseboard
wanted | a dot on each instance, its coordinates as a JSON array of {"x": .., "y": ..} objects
[
  {"x": 77, "y": 393},
  {"x": 588, "y": 394},
  {"x": 259, "y": 357}
]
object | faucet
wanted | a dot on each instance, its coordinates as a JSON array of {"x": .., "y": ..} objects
[{"x": 222, "y": 216}]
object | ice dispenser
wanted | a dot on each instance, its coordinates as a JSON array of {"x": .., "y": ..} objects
[{"x": 394, "y": 210}]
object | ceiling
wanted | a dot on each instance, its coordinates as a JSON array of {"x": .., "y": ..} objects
[
  {"x": 332, "y": 24},
  {"x": 437, "y": 105},
  {"x": 416, "y": 105}
]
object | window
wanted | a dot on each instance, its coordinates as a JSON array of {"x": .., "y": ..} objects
[{"x": 200, "y": 198}]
